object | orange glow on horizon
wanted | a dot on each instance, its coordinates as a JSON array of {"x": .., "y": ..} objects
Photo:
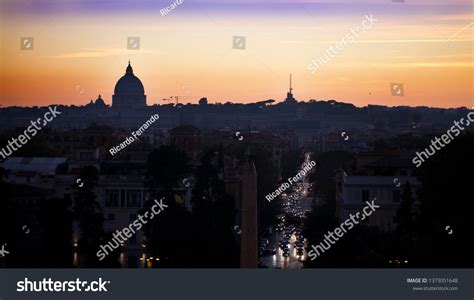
[{"x": 76, "y": 58}]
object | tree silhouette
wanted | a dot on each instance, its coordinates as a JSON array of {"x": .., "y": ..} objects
[
  {"x": 3, "y": 173},
  {"x": 213, "y": 216},
  {"x": 402, "y": 239},
  {"x": 445, "y": 201},
  {"x": 55, "y": 219},
  {"x": 88, "y": 212},
  {"x": 9, "y": 212},
  {"x": 405, "y": 215},
  {"x": 169, "y": 233},
  {"x": 166, "y": 167}
]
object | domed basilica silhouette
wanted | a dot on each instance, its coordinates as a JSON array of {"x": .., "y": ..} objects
[{"x": 129, "y": 92}]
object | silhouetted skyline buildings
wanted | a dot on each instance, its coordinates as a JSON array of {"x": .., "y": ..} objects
[{"x": 129, "y": 109}]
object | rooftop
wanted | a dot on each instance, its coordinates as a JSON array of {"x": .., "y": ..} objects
[
  {"x": 45, "y": 165},
  {"x": 379, "y": 180}
]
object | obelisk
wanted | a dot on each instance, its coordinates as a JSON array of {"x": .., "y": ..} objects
[{"x": 248, "y": 236}]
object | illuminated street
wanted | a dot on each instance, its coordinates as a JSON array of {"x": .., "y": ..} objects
[{"x": 286, "y": 239}]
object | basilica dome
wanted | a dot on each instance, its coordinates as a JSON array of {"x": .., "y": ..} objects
[
  {"x": 129, "y": 84},
  {"x": 129, "y": 92}
]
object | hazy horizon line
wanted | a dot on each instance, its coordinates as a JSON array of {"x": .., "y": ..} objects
[{"x": 275, "y": 103}]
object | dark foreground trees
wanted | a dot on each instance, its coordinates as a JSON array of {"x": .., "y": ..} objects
[
  {"x": 180, "y": 238},
  {"x": 437, "y": 233}
]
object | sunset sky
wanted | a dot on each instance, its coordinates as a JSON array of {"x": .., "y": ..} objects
[{"x": 80, "y": 50}]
